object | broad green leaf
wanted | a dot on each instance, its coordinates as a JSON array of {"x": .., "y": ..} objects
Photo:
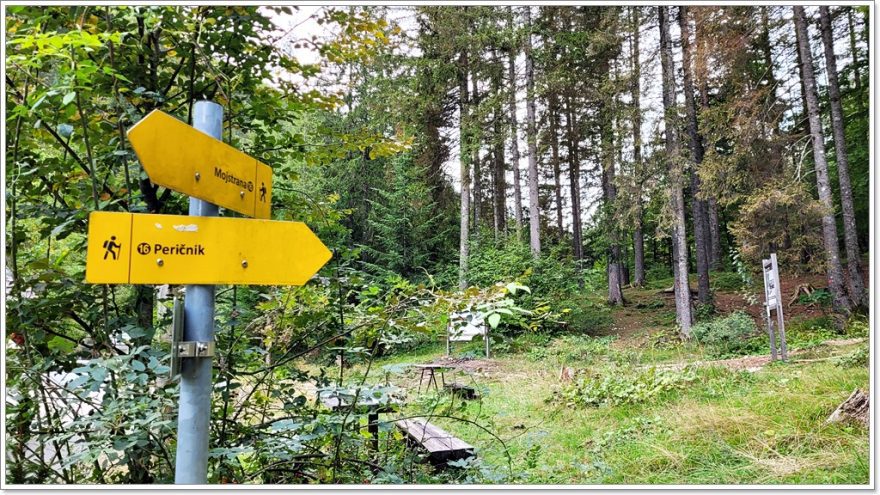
[
  {"x": 61, "y": 344},
  {"x": 494, "y": 319}
]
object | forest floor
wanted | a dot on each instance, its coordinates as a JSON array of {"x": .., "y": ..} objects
[{"x": 740, "y": 420}]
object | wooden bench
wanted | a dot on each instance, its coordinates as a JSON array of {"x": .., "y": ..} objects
[{"x": 441, "y": 446}]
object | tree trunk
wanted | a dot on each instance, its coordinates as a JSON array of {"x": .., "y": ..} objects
[
  {"x": 499, "y": 193},
  {"x": 464, "y": 155},
  {"x": 499, "y": 210},
  {"x": 679, "y": 234},
  {"x": 856, "y": 287},
  {"x": 700, "y": 209},
  {"x": 767, "y": 52},
  {"x": 714, "y": 233},
  {"x": 476, "y": 132},
  {"x": 554, "y": 157},
  {"x": 857, "y": 79},
  {"x": 609, "y": 189},
  {"x": 615, "y": 294},
  {"x": 829, "y": 226},
  {"x": 534, "y": 213},
  {"x": 574, "y": 181},
  {"x": 802, "y": 124},
  {"x": 514, "y": 139},
  {"x": 638, "y": 235}
]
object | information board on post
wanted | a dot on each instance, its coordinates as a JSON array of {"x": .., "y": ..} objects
[
  {"x": 771, "y": 284},
  {"x": 773, "y": 301}
]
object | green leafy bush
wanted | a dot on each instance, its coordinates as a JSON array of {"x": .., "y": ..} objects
[
  {"x": 530, "y": 343},
  {"x": 855, "y": 359},
  {"x": 657, "y": 272},
  {"x": 729, "y": 281},
  {"x": 653, "y": 304},
  {"x": 556, "y": 300},
  {"x": 583, "y": 315},
  {"x": 703, "y": 312},
  {"x": 810, "y": 332},
  {"x": 572, "y": 348},
  {"x": 625, "y": 385},
  {"x": 729, "y": 335},
  {"x": 858, "y": 326},
  {"x": 820, "y": 297}
]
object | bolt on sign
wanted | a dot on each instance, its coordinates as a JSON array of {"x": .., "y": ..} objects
[
  {"x": 180, "y": 157},
  {"x": 133, "y": 248}
]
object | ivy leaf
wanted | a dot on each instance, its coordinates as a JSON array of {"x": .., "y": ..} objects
[{"x": 137, "y": 365}]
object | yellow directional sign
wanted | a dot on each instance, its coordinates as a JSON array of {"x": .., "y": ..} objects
[
  {"x": 132, "y": 248},
  {"x": 180, "y": 157}
]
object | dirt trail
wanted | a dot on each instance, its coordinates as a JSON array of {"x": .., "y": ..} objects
[
  {"x": 651, "y": 310},
  {"x": 755, "y": 363}
]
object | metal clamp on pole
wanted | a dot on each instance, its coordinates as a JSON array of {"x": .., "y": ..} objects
[
  {"x": 185, "y": 349},
  {"x": 176, "y": 336},
  {"x": 194, "y": 349}
]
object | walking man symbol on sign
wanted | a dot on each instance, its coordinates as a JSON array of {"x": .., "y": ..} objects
[
  {"x": 110, "y": 247},
  {"x": 263, "y": 191}
]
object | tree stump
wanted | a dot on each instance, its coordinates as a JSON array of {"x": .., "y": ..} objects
[
  {"x": 805, "y": 289},
  {"x": 856, "y": 407},
  {"x": 566, "y": 374}
]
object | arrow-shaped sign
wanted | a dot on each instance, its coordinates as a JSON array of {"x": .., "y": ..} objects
[
  {"x": 180, "y": 157},
  {"x": 132, "y": 248}
]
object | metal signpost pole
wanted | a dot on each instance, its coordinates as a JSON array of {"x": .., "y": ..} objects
[
  {"x": 135, "y": 248},
  {"x": 195, "y": 376},
  {"x": 780, "y": 327}
]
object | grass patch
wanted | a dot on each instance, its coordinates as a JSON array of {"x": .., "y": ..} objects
[
  {"x": 805, "y": 333},
  {"x": 721, "y": 426}
]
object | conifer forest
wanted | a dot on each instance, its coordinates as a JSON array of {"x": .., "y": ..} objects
[{"x": 480, "y": 244}]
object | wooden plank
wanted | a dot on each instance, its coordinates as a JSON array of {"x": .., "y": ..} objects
[{"x": 440, "y": 445}]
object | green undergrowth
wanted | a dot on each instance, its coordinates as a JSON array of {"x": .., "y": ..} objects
[
  {"x": 633, "y": 418},
  {"x": 616, "y": 385}
]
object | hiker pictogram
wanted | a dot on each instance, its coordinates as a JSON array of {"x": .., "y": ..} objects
[
  {"x": 111, "y": 246},
  {"x": 263, "y": 192}
]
